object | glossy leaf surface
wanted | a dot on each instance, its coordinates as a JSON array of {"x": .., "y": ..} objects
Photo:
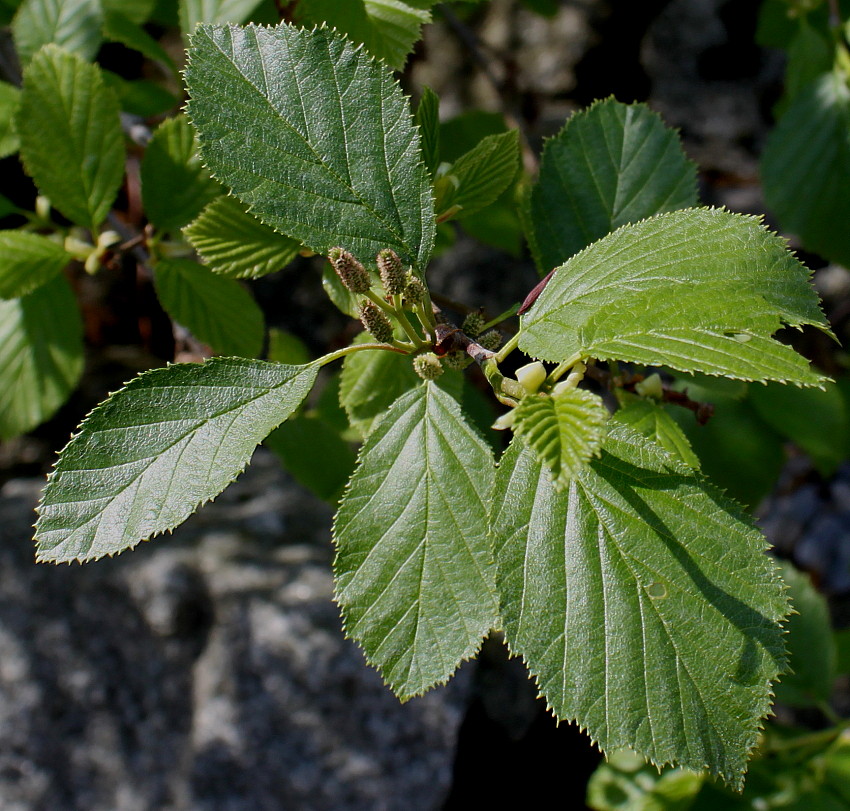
[
  {"x": 696, "y": 290},
  {"x": 145, "y": 459},
  {"x": 315, "y": 136},
  {"x": 415, "y": 576},
  {"x": 614, "y": 590}
]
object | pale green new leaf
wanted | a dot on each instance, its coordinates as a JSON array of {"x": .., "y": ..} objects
[
  {"x": 218, "y": 311},
  {"x": 72, "y": 24},
  {"x": 371, "y": 382},
  {"x": 806, "y": 168},
  {"x": 315, "y": 136},
  {"x": 10, "y": 99},
  {"x": 71, "y": 139},
  {"x": 235, "y": 243},
  {"x": 696, "y": 290},
  {"x": 387, "y": 28},
  {"x": 146, "y": 458},
  {"x": 610, "y": 165},
  {"x": 414, "y": 570},
  {"x": 565, "y": 431},
  {"x": 614, "y": 590},
  {"x": 27, "y": 261},
  {"x": 651, "y": 420},
  {"x": 41, "y": 355},
  {"x": 192, "y": 12},
  {"x": 485, "y": 172},
  {"x": 175, "y": 185}
]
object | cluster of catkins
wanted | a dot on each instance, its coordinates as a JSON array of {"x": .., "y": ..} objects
[{"x": 404, "y": 289}]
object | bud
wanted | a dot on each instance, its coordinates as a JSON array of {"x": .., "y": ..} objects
[
  {"x": 457, "y": 360},
  {"x": 492, "y": 340},
  {"x": 392, "y": 272},
  {"x": 351, "y": 273},
  {"x": 428, "y": 366},
  {"x": 414, "y": 291},
  {"x": 376, "y": 322},
  {"x": 473, "y": 324},
  {"x": 531, "y": 376}
]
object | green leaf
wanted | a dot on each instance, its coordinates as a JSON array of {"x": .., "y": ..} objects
[
  {"x": 805, "y": 168},
  {"x": 10, "y": 99},
  {"x": 326, "y": 465},
  {"x": 139, "y": 96},
  {"x": 71, "y": 139},
  {"x": 27, "y": 261},
  {"x": 625, "y": 782},
  {"x": 565, "y": 431},
  {"x": 343, "y": 168},
  {"x": 816, "y": 421},
  {"x": 235, "y": 243},
  {"x": 138, "y": 11},
  {"x": 371, "y": 382},
  {"x": 810, "y": 54},
  {"x": 218, "y": 311},
  {"x": 175, "y": 185},
  {"x": 610, "y": 165},
  {"x": 72, "y": 24},
  {"x": 696, "y": 290},
  {"x": 614, "y": 590},
  {"x": 145, "y": 459},
  {"x": 118, "y": 27},
  {"x": 41, "y": 355},
  {"x": 737, "y": 450},
  {"x": 810, "y": 645},
  {"x": 414, "y": 569},
  {"x": 649, "y": 419},
  {"x": 284, "y": 347},
  {"x": 387, "y": 28},
  {"x": 193, "y": 12},
  {"x": 485, "y": 172},
  {"x": 427, "y": 118}
]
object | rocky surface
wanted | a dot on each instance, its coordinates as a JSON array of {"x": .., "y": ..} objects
[{"x": 206, "y": 670}]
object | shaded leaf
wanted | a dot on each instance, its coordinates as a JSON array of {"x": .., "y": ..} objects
[
  {"x": 193, "y": 12},
  {"x": 614, "y": 590},
  {"x": 805, "y": 168},
  {"x": 650, "y": 419},
  {"x": 427, "y": 118},
  {"x": 387, "y": 28},
  {"x": 565, "y": 431},
  {"x": 118, "y": 27},
  {"x": 371, "y": 382},
  {"x": 816, "y": 421},
  {"x": 327, "y": 465},
  {"x": 145, "y": 459},
  {"x": 71, "y": 139},
  {"x": 343, "y": 169},
  {"x": 415, "y": 577},
  {"x": 175, "y": 185},
  {"x": 219, "y": 312},
  {"x": 485, "y": 172},
  {"x": 696, "y": 290},
  {"x": 41, "y": 355},
  {"x": 10, "y": 99},
  {"x": 27, "y": 261},
  {"x": 235, "y": 243},
  {"x": 72, "y": 24},
  {"x": 610, "y": 165},
  {"x": 811, "y": 650}
]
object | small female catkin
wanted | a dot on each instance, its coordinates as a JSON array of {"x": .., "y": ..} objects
[
  {"x": 392, "y": 272},
  {"x": 376, "y": 322},
  {"x": 351, "y": 273}
]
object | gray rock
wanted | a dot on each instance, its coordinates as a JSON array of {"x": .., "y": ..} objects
[{"x": 206, "y": 670}]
